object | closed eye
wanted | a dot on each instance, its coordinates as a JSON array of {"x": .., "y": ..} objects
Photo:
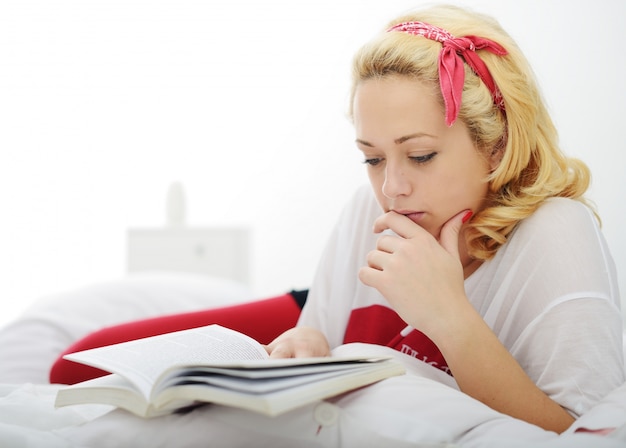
[
  {"x": 423, "y": 159},
  {"x": 373, "y": 161}
]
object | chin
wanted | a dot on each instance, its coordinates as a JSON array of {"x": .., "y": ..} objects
[{"x": 434, "y": 231}]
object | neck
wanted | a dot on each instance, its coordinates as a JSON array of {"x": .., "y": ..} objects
[
  {"x": 471, "y": 267},
  {"x": 469, "y": 264}
]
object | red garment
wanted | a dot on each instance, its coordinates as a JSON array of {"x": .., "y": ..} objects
[{"x": 380, "y": 325}]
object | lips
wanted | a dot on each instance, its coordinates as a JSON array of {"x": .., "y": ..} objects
[{"x": 412, "y": 215}]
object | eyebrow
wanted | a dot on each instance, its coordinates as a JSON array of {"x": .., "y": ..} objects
[{"x": 399, "y": 140}]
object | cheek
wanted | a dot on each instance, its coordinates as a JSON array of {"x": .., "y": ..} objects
[
  {"x": 458, "y": 189},
  {"x": 469, "y": 176},
  {"x": 376, "y": 175},
  {"x": 469, "y": 192}
]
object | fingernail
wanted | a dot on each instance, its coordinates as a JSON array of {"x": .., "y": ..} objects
[{"x": 467, "y": 216}]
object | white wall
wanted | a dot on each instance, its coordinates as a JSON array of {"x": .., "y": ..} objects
[{"x": 103, "y": 103}]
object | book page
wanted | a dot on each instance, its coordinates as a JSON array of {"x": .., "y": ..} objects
[
  {"x": 266, "y": 384},
  {"x": 159, "y": 353}
]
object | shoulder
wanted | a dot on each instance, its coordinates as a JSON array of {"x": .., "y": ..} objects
[
  {"x": 563, "y": 210},
  {"x": 559, "y": 219},
  {"x": 560, "y": 229},
  {"x": 563, "y": 249}
]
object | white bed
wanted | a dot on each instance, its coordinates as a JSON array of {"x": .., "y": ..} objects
[{"x": 386, "y": 414}]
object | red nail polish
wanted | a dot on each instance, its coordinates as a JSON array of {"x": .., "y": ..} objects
[{"x": 467, "y": 216}]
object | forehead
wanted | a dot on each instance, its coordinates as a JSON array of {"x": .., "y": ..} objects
[
  {"x": 397, "y": 104},
  {"x": 399, "y": 83}
]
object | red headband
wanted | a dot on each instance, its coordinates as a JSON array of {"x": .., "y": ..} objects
[{"x": 451, "y": 71}]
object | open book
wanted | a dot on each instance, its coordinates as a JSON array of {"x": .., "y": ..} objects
[{"x": 213, "y": 364}]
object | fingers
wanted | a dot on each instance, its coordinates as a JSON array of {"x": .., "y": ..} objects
[
  {"x": 281, "y": 351},
  {"x": 449, "y": 237},
  {"x": 371, "y": 276},
  {"x": 407, "y": 229},
  {"x": 287, "y": 350},
  {"x": 412, "y": 247},
  {"x": 299, "y": 342},
  {"x": 400, "y": 224}
]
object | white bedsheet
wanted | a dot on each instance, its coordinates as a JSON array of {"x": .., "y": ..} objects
[{"x": 415, "y": 410}]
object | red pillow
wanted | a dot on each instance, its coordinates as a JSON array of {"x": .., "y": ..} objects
[{"x": 262, "y": 320}]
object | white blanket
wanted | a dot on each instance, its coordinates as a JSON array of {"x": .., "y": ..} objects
[{"x": 421, "y": 409}]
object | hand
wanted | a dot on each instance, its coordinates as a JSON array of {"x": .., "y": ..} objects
[
  {"x": 422, "y": 278},
  {"x": 299, "y": 342}
]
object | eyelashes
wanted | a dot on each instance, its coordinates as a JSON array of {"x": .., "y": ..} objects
[
  {"x": 423, "y": 159},
  {"x": 420, "y": 160},
  {"x": 372, "y": 162}
]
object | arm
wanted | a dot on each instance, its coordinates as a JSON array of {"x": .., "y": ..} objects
[
  {"x": 485, "y": 370},
  {"x": 422, "y": 278}
]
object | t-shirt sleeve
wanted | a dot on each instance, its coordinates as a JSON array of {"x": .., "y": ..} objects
[{"x": 573, "y": 352}]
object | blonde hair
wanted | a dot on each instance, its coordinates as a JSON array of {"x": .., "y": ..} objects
[{"x": 532, "y": 166}]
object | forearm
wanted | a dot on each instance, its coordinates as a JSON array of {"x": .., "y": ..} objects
[{"x": 485, "y": 370}]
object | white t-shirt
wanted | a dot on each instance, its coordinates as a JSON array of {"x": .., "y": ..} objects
[{"x": 550, "y": 294}]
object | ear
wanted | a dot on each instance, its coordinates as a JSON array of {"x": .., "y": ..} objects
[
  {"x": 495, "y": 158},
  {"x": 497, "y": 153}
]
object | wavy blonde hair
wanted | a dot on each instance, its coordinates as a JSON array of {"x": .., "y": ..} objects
[{"x": 532, "y": 166}]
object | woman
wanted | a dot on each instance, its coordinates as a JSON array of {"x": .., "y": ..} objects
[
  {"x": 473, "y": 250},
  {"x": 475, "y": 232}
]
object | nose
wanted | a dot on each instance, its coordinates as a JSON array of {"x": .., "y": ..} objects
[{"x": 396, "y": 182}]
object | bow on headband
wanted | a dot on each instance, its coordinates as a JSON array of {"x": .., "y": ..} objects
[{"x": 451, "y": 72}]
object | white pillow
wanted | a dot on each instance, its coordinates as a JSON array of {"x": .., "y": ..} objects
[{"x": 30, "y": 344}]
